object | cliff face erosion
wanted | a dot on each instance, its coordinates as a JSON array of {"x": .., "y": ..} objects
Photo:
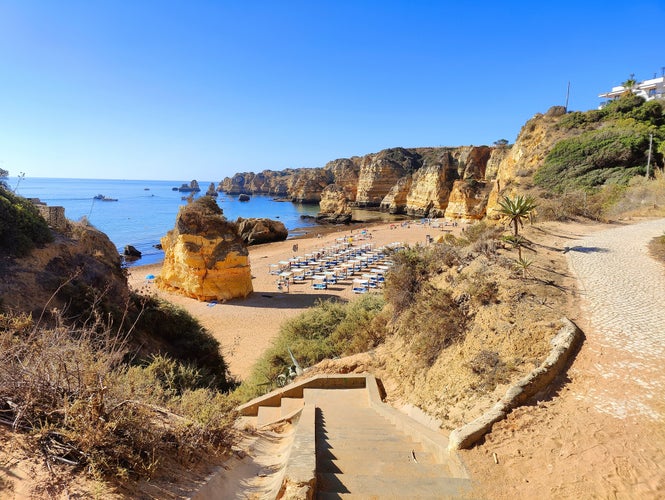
[
  {"x": 204, "y": 256},
  {"x": 454, "y": 182}
]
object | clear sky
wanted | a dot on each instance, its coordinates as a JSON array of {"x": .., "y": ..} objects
[{"x": 177, "y": 90}]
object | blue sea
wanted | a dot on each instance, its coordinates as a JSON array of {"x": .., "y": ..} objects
[{"x": 146, "y": 210}]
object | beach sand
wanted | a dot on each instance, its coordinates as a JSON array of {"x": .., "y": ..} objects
[{"x": 245, "y": 328}]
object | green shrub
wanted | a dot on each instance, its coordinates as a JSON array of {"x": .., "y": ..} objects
[
  {"x": 608, "y": 155},
  {"x": 611, "y": 149},
  {"x": 327, "y": 330},
  {"x": 22, "y": 228},
  {"x": 363, "y": 327},
  {"x": 182, "y": 338}
]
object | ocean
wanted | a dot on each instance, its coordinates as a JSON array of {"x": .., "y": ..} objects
[{"x": 146, "y": 210}]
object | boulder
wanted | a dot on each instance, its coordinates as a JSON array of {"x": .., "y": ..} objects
[
  {"x": 256, "y": 231},
  {"x": 204, "y": 256},
  {"x": 131, "y": 252},
  {"x": 243, "y": 197}
]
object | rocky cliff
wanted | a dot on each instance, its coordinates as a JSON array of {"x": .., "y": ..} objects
[
  {"x": 516, "y": 165},
  {"x": 204, "y": 256},
  {"x": 455, "y": 182},
  {"x": 334, "y": 206},
  {"x": 413, "y": 181}
]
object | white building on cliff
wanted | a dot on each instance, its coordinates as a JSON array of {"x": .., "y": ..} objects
[{"x": 649, "y": 89}]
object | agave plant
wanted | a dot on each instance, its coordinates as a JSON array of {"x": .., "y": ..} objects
[
  {"x": 523, "y": 265},
  {"x": 516, "y": 210},
  {"x": 517, "y": 242}
]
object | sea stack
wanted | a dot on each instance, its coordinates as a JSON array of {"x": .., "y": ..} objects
[{"x": 204, "y": 257}]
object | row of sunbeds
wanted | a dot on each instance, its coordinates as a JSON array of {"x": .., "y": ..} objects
[{"x": 338, "y": 262}]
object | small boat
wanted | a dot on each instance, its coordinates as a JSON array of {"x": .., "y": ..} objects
[{"x": 101, "y": 197}]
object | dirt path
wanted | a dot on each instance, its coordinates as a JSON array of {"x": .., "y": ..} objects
[{"x": 602, "y": 435}]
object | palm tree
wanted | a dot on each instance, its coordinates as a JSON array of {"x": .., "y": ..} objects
[{"x": 515, "y": 210}]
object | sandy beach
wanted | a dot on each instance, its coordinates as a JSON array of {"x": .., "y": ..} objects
[{"x": 245, "y": 328}]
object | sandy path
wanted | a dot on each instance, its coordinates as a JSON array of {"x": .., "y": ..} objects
[
  {"x": 245, "y": 328},
  {"x": 603, "y": 434}
]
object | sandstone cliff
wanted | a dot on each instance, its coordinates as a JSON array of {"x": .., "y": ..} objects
[
  {"x": 414, "y": 181},
  {"x": 204, "y": 256},
  {"x": 517, "y": 164},
  {"x": 455, "y": 182},
  {"x": 379, "y": 172},
  {"x": 334, "y": 206}
]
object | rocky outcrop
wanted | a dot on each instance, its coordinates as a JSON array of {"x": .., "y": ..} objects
[
  {"x": 334, "y": 206},
  {"x": 81, "y": 268},
  {"x": 430, "y": 187},
  {"x": 307, "y": 186},
  {"x": 236, "y": 184},
  {"x": 191, "y": 187},
  {"x": 426, "y": 192},
  {"x": 345, "y": 172},
  {"x": 379, "y": 172},
  {"x": 395, "y": 201},
  {"x": 519, "y": 163},
  {"x": 256, "y": 231},
  {"x": 211, "y": 190},
  {"x": 468, "y": 199},
  {"x": 131, "y": 252},
  {"x": 416, "y": 181},
  {"x": 204, "y": 256},
  {"x": 496, "y": 157}
]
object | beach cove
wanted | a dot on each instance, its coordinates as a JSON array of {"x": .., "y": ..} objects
[{"x": 245, "y": 328}]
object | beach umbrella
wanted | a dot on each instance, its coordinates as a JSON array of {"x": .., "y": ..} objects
[{"x": 150, "y": 276}]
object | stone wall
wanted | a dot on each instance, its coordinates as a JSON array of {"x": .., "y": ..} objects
[{"x": 54, "y": 216}]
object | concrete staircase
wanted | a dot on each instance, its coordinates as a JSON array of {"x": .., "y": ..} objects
[
  {"x": 361, "y": 454},
  {"x": 349, "y": 444}
]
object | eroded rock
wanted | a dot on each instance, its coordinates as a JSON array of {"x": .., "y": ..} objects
[
  {"x": 256, "y": 231},
  {"x": 204, "y": 256}
]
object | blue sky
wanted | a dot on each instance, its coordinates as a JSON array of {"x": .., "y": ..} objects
[{"x": 203, "y": 89}]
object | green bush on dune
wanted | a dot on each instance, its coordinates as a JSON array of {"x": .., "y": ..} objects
[
  {"x": 22, "y": 228},
  {"x": 611, "y": 148}
]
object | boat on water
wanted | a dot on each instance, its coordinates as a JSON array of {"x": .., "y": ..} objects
[{"x": 101, "y": 197}]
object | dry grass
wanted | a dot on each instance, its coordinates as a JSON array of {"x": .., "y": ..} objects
[
  {"x": 464, "y": 322},
  {"x": 69, "y": 391}
]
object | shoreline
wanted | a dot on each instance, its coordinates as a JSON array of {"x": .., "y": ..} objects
[{"x": 246, "y": 327}]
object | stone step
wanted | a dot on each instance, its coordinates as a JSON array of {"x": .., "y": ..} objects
[
  {"x": 358, "y": 429},
  {"x": 344, "y": 398},
  {"x": 363, "y": 467},
  {"x": 392, "y": 487},
  {"x": 368, "y": 446},
  {"x": 268, "y": 415},
  {"x": 289, "y": 405},
  {"x": 386, "y": 455}
]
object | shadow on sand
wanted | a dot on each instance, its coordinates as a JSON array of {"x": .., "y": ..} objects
[
  {"x": 280, "y": 300},
  {"x": 585, "y": 249}
]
